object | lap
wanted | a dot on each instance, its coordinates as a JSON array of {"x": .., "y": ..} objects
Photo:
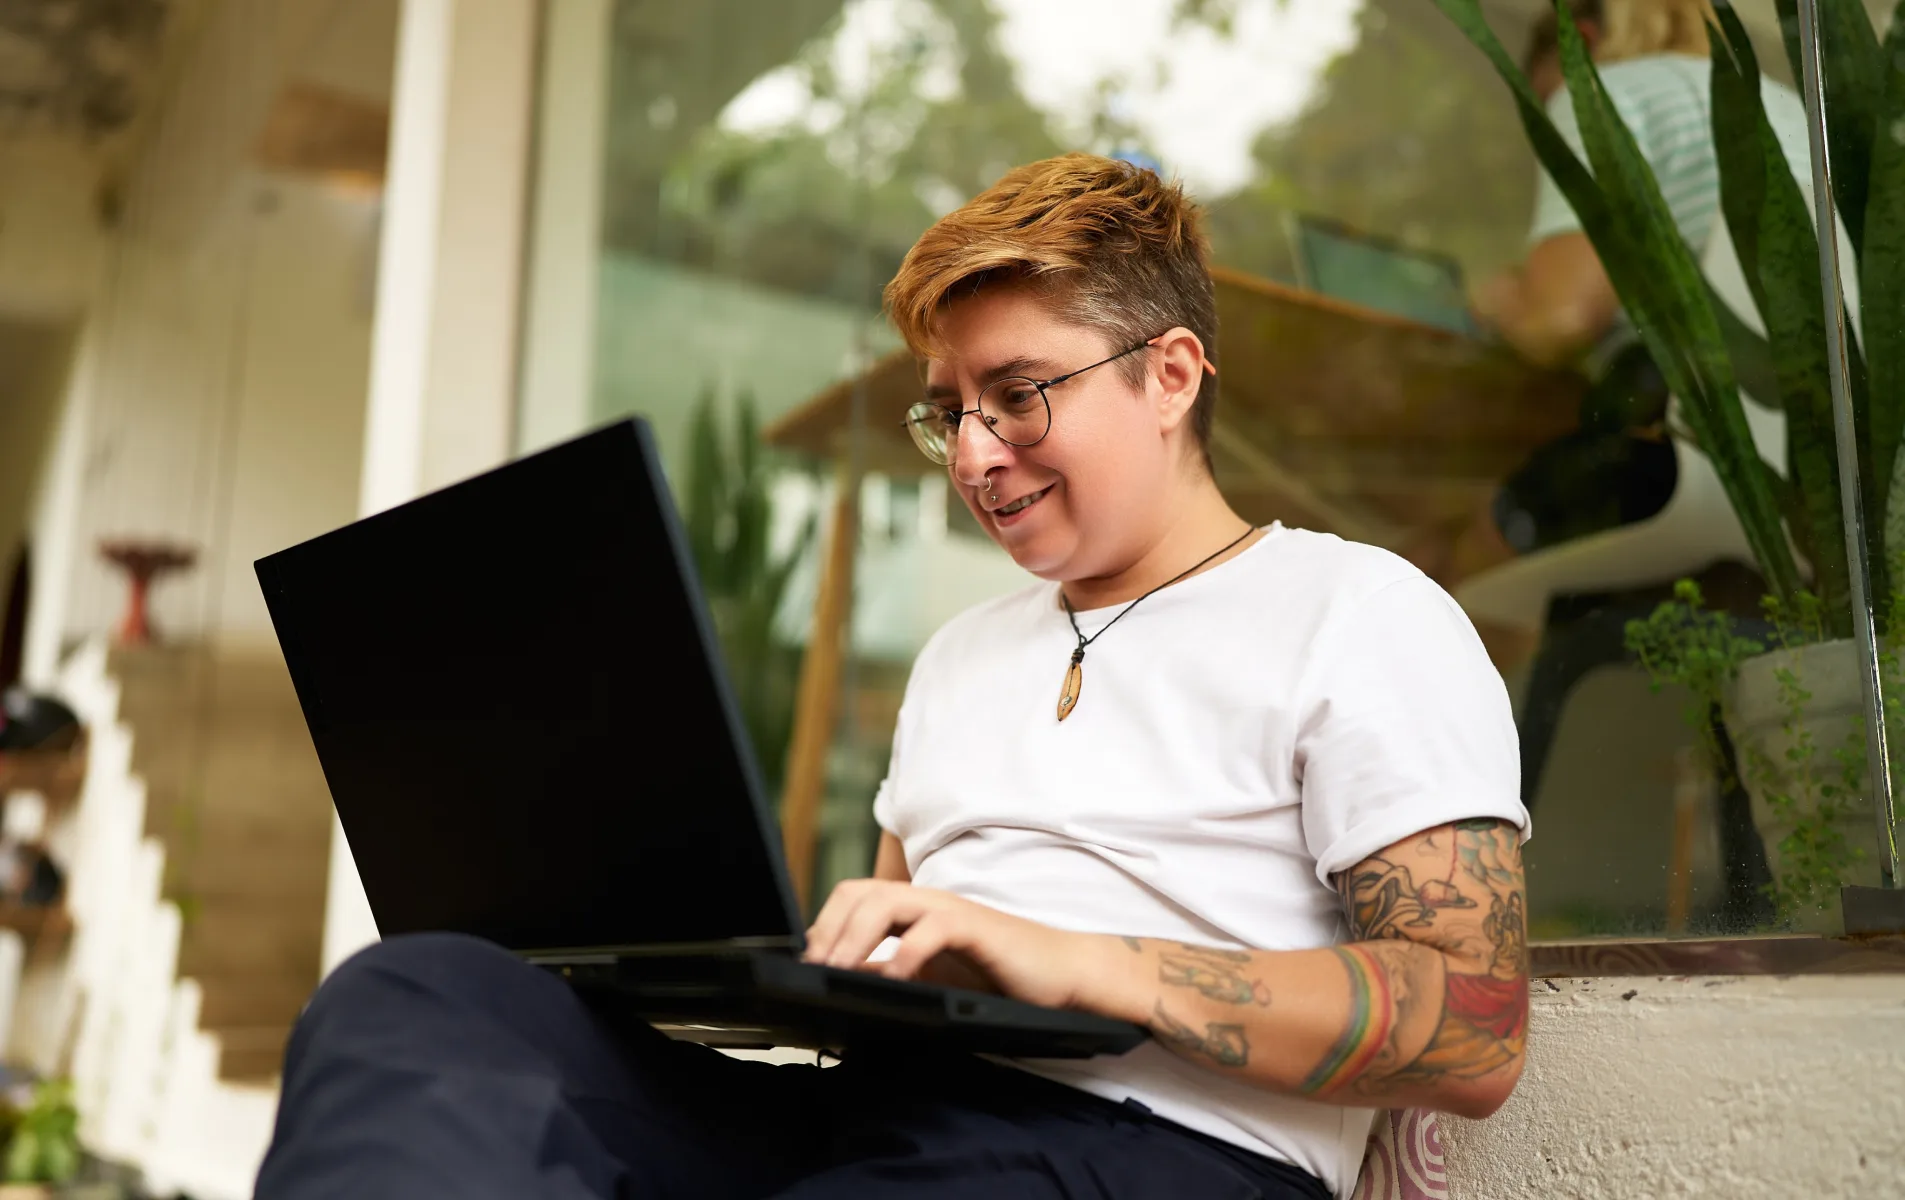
[
  {"x": 441, "y": 1065},
  {"x": 436, "y": 1064}
]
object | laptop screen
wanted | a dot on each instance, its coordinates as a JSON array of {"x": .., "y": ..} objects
[
  {"x": 520, "y": 709},
  {"x": 1376, "y": 274}
]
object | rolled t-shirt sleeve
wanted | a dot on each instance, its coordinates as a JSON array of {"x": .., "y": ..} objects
[{"x": 1405, "y": 725}]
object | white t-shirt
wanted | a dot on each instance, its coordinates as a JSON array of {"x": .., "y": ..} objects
[{"x": 1239, "y": 737}]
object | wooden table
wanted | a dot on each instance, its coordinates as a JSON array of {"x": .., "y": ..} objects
[
  {"x": 1339, "y": 418},
  {"x": 1330, "y": 416}
]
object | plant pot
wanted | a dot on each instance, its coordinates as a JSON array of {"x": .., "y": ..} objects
[{"x": 1799, "y": 745}]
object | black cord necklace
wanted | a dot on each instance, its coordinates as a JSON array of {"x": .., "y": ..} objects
[{"x": 1075, "y": 673}]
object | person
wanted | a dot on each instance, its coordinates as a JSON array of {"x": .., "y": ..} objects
[{"x": 1254, "y": 789}]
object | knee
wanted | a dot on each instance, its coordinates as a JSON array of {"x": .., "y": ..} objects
[
  {"x": 411, "y": 961},
  {"x": 408, "y": 996},
  {"x": 414, "y": 976}
]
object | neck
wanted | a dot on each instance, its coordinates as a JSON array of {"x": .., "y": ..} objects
[{"x": 1201, "y": 525}]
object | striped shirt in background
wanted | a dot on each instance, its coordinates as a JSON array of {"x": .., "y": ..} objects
[{"x": 1666, "y": 101}]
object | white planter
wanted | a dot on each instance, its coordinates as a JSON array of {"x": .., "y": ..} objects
[{"x": 1765, "y": 735}]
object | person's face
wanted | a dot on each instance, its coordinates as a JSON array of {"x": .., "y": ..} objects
[{"x": 1101, "y": 481}]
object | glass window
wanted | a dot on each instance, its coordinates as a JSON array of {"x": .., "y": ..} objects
[{"x": 1423, "y": 349}]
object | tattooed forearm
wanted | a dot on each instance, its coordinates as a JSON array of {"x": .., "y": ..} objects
[
  {"x": 1426, "y": 1005},
  {"x": 1221, "y": 1043},
  {"x": 1371, "y": 1015},
  {"x": 1215, "y": 978},
  {"x": 1211, "y": 970}
]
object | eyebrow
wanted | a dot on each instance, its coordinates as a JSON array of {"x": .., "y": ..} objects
[{"x": 1022, "y": 365}]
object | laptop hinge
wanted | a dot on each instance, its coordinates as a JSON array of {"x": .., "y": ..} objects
[{"x": 574, "y": 955}]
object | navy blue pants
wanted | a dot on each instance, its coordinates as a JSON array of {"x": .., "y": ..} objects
[{"x": 440, "y": 1066}]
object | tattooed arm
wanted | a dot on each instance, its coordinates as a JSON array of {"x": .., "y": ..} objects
[{"x": 1428, "y": 1007}]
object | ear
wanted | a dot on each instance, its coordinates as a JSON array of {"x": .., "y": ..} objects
[{"x": 1178, "y": 367}]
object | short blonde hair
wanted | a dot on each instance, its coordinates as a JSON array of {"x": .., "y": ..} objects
[
  {"x": 1630, "y": 28},
  {"x": 1112, "y": 246}
]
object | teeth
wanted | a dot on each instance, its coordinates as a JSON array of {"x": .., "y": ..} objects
[{"x": 1021, "y": 503}]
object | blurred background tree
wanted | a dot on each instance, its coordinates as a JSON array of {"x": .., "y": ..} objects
[
  {"x": 829, "y": 203},
  {"x": 1407, "y": 135}
]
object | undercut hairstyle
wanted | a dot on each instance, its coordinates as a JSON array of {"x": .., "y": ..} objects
[
  {"x": 1109, "y": 245},
  {"x": 1628, "y": 29}
]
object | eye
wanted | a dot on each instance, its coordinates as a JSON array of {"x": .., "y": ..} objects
[{"x": 1016, "y": 394}]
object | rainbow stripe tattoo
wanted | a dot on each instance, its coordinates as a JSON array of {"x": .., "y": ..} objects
[{"x": 1370, "y": 1017}]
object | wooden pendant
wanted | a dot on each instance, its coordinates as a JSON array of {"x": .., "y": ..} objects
[{"x": 1074, "y": 680}]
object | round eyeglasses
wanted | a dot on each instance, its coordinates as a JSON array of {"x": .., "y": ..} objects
[{"x": 1016, "y": 410}]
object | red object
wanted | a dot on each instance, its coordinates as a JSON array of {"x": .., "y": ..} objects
[{"x": 143, "y": 562}]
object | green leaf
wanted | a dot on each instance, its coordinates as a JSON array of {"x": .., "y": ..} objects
[
  {"x": 1752, "y": 357},
  {"x": 23, "y": 1157},
  {"x": 1774, "y": 236},
  {"x": 1882, "y": 281},
  {"x": 705, "y": 500},
  {"x": 1667, "y": 297},
  {"x": 1854, "y": 85}
]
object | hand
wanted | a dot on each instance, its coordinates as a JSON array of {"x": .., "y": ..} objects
[{"x": 947, "y": 939}]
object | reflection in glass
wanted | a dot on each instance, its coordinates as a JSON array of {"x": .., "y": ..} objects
[{"x": 767, "y": 165}]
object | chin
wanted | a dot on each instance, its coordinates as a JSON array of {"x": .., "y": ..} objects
[{"x": 1044, "y": 554}]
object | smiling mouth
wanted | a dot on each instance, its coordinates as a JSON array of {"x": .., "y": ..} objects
[{"x": 1022, "y": 503}]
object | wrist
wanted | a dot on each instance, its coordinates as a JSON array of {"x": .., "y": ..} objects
[{"x": 1117, "y": 978}]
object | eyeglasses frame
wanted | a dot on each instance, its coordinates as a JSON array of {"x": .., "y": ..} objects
[{"x": 959, "y": 414}]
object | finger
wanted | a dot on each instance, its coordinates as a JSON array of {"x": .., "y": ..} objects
[
  {"x": 884, "y": 910},
  {"x": 922, "y": 942},
  {"x": 825, "y": 930}
]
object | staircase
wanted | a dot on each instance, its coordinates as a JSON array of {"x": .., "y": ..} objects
[
  {"x": 235, "y": 797},
  {"x": 196, "y": 854}
]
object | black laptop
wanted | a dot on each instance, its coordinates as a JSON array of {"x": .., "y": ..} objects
[{"x": 518, "y": 700}]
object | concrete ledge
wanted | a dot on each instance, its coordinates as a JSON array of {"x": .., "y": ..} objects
[{"x": 1650, "y": 1087}]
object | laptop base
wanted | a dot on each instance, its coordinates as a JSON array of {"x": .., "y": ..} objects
[{"x": 760, "y": 998}]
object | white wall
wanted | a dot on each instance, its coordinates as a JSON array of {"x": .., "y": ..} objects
[
  {"x": 565, "y": 213},
  {"x": 1730, "y": 1087},
  {"x": 51, "y": 242},
  {"x": 223, "y": 374}
]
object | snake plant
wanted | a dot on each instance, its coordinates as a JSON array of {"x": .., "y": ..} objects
[{"x": 1791, "y": 515}]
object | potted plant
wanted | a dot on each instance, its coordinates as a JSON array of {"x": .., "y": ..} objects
[
  {"x": 728, "y": 514},
  {"x": 1795, "y": 715},
  {"x": 42, "y": 1145},
  {"x": 1791, "y": 702}
]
